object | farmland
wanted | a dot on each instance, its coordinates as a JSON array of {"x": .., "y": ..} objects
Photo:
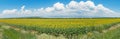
[{"x": 68, "y": 28}]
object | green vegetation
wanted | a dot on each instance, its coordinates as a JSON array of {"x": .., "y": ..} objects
[
  {"x": 112, "y": 34},
  {"x": 70, "y": 28},
  {"x": 12, "y": 34}
]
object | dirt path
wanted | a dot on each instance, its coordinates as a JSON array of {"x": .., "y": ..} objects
[
  {"x": 112, "y": 28},
  {"x": 91, "y": 35}
]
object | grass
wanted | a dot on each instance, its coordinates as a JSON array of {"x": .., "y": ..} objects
[
  {"x": 113, "y": 34},
  {"x": 67, "y": 27},
  {"x": 13, "y": 34}
]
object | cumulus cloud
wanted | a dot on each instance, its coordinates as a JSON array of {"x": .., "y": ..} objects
[
  {"x": 10, "y": 11},
  {"x": 25, "y": 11},
  {"x": 72, "y": 9},
  {"x": 59, "y": 6}
]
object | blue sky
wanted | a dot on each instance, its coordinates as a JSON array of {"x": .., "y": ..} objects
[
  {"x": 9, "y": 4},
  {"x": 35, "y": 4}
]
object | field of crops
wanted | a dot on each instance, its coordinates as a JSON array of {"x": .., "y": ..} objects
[
  {"x": 60, "y": 23},
  {"x": 66, "y": 27}
]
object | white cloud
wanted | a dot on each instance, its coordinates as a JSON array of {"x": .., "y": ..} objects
[
  {"x": 10, "y": 11},
  {"x": 59, "y": 6},
  {"x": 49, "y": 9},
  {"x": 72, "y": 9},
  {"x": 23, "y": 11}
]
